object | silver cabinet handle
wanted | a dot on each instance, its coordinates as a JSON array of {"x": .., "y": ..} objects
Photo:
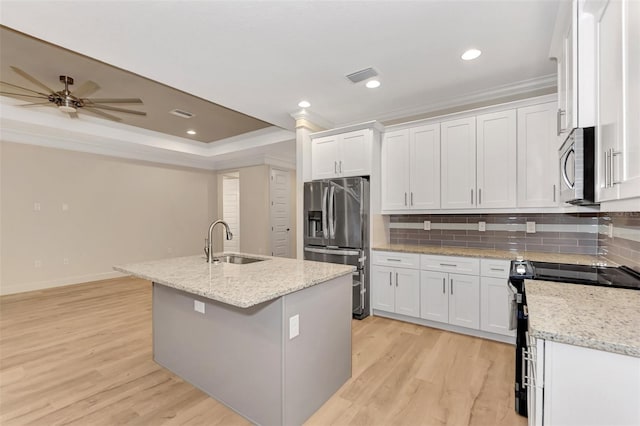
[
  {"x": 340, "y": 166},
  {"x": 451, "y": 285},
  {"x": 453, "y": 265},
  {"x": 559, "y": 115},
  {"x": 443, "y": 284},
  {"x": 405, "y": 198},
  {"x": 411, "y": 197},
  {"x": 606, "y": 169},
  {"x": 554, "y": 192},
  {"x": 613, "y": 173},
  {"x": 479, "y": 195},
  {"x": 390, "y": 275},
  {"x": 393, "y": 260},
  {"x": 471, "y": 196},
  {"x": 497, "y": 269},
  {"x": 335, "y": 167},
  {"x": 396, "y": 279}
]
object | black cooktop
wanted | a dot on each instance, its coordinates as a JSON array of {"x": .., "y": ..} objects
[{"x": 606, "y": 276}]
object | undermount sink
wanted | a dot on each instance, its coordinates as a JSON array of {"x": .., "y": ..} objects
[{"x": 235, "y": 259}]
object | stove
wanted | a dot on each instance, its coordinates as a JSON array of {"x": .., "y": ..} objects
[{"x": 597, "y": 275}]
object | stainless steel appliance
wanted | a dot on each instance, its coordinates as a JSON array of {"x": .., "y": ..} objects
[
  {"x": 577, "y": 167},
  {"x": 336, "y": 230},
  {"x": 620, "y": 277}
]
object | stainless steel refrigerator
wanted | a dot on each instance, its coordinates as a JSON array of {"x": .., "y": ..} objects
[{"x": 336, "y": 230}]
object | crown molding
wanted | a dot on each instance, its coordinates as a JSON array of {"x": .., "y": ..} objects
[
  {"x": 310, "y": 120},
  {"x": 374, "y": 125}
]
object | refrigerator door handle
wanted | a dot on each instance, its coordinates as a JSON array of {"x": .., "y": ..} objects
[
  {"x": 332, "y": 219},
  {"x": 325, "y": 190},
  {"x": 338, "y": 252}
]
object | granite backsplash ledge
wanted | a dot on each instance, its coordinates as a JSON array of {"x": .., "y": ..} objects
[{"x": 575, "y": 233}]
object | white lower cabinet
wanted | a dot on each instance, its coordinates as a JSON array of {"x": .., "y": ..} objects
[
  {"x": 576, "y": 386},
  {"x": 450, "y": 298},
  {"x": 396, "y": 290},
  {"x": 495, "y": 298}
]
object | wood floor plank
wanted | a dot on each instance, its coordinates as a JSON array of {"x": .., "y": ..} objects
[{"x": 82, "y": 355}]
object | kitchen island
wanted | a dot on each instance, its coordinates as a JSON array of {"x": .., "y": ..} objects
[{"x": 270, "y": 339}]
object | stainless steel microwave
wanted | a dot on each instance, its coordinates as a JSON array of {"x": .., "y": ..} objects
[{"x": 577, "y": 167}]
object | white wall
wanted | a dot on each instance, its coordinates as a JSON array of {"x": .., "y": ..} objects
[{"x": 119, "y": 211}]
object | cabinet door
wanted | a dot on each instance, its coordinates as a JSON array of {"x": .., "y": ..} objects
[
  {"x": 496, "y": 159},
  {"x": 495, "y": 306},
  {"x": 458, "y": 164},
  {"x": 355, "y": 153},
  {"x": 538, "y": 170},
  {"x": 382, "y": 281},
  {"x": 464, "y": 300},
  {"x": 609, "y": 97},
  {"x": 395, "y": 170},
  {"x": 407, "y": 292},
  {"x": 424, "y": 162},
  {"x": 434, "y": 296},
  {"x": 324, "y": 157}
]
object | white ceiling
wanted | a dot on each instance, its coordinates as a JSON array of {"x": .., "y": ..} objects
[{"x": 261, "y": 58}]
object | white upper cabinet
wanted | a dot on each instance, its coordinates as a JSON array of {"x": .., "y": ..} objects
[
  {"x": 411, "y": 169},
  {"x": 538, "y": 170},
  {"x": 572, "y": 46},
  {"x": 618, "y": 99},
  {"x": 458, "y": 163},
  {"x": 342, "y": 155},
  {"x": 496, "y": 160}
]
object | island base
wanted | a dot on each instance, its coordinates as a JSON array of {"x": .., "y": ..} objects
[{"x": 245, "y": 358}]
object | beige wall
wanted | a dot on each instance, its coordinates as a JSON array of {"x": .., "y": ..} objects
[{"x": 119, "y": 211}]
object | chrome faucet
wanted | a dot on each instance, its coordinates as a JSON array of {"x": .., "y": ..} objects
[{"x": 208, "y": 249}]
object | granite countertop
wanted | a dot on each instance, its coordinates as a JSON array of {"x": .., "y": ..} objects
[
  {"x": 239, "y": 285},
  {"x": 594, "y": 317},
  {"x": 580, "y": 259}
]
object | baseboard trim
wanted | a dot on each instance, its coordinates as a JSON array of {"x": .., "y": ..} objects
[{"x": 41, "y": 285}]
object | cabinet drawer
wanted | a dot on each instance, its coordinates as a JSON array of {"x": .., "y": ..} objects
[
  {"x": 390, "y": 258},
  {"x": 458, "y": 265},
  {"x": 494, "y": 268}
]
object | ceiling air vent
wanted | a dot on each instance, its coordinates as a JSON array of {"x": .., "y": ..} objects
[
  {"x": 362, "y": 75},
  {"x": 181, "y": 113}
]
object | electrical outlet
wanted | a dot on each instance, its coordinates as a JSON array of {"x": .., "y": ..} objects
[
  {"x": 427, "y": 225},
  {"x": 65, "y": 207},
  {"x": 198, "y": 306},
  {"x": 36, "y": 207},
  {"x": 65, "y": 261},
  {"x": 294, "y": 326},
  {"x": 610, "y": 230},
  {"x": 531, "y": 227},
  {"x": 169, "y": 250},
  {"x": 37, "y": 263},
  {"x": 482, "y": 226}
]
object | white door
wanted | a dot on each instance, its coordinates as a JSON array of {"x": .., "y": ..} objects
[
  {"x": 355, "y": 153},
  {"x": 382, "y": 281},
  {"x": 231, "y": 210},
  {"x": 434, "y": 296},
  {"x": 395, "y": 170},
  {"x": 458, "y": 162},
  {"x": 496, "y": 159},
  {"x": 424, "y": 164},
  {"x": 280, "y": 193},
  {"x": 495, "y": 306},
  {"x": 324, "y": 157},
  {"x": 538, "y": 167},
  {"x": 464, "y": 300},
  {"x": 407, "y": 292}
]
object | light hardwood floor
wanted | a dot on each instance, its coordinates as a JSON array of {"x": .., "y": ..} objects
[{"x": 82, "y": 355}]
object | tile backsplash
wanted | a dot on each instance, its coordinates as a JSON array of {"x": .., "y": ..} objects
[{"x": 584, "y": 233}]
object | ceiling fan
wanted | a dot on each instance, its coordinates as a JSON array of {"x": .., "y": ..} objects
[{"x": 71, "y": 102}]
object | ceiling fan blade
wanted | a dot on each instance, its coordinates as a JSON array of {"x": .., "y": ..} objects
[
  {"x": 23, "y": 88},
  {"x": 100, "y": 113},
  {"x": 114, "y": 100},
  {"x": 32, "y": 79},
  {"x": 73, "y": 114},
  {"x": 36, "y": 104},
  {"x": 24, "y": 96},
  {"x": 110, "y": 108},
  {"x": 85, "y": 89}
]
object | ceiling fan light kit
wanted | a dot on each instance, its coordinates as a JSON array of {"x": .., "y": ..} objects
[{"x": 70, "y": 102}]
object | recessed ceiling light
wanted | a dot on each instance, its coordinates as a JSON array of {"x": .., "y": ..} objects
[
  {"x": 304, "y": 104},
  {"x": 471, "y": 54},
  {"x": 191, "y": 132},
  {"x": 372, "y": 84}
]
